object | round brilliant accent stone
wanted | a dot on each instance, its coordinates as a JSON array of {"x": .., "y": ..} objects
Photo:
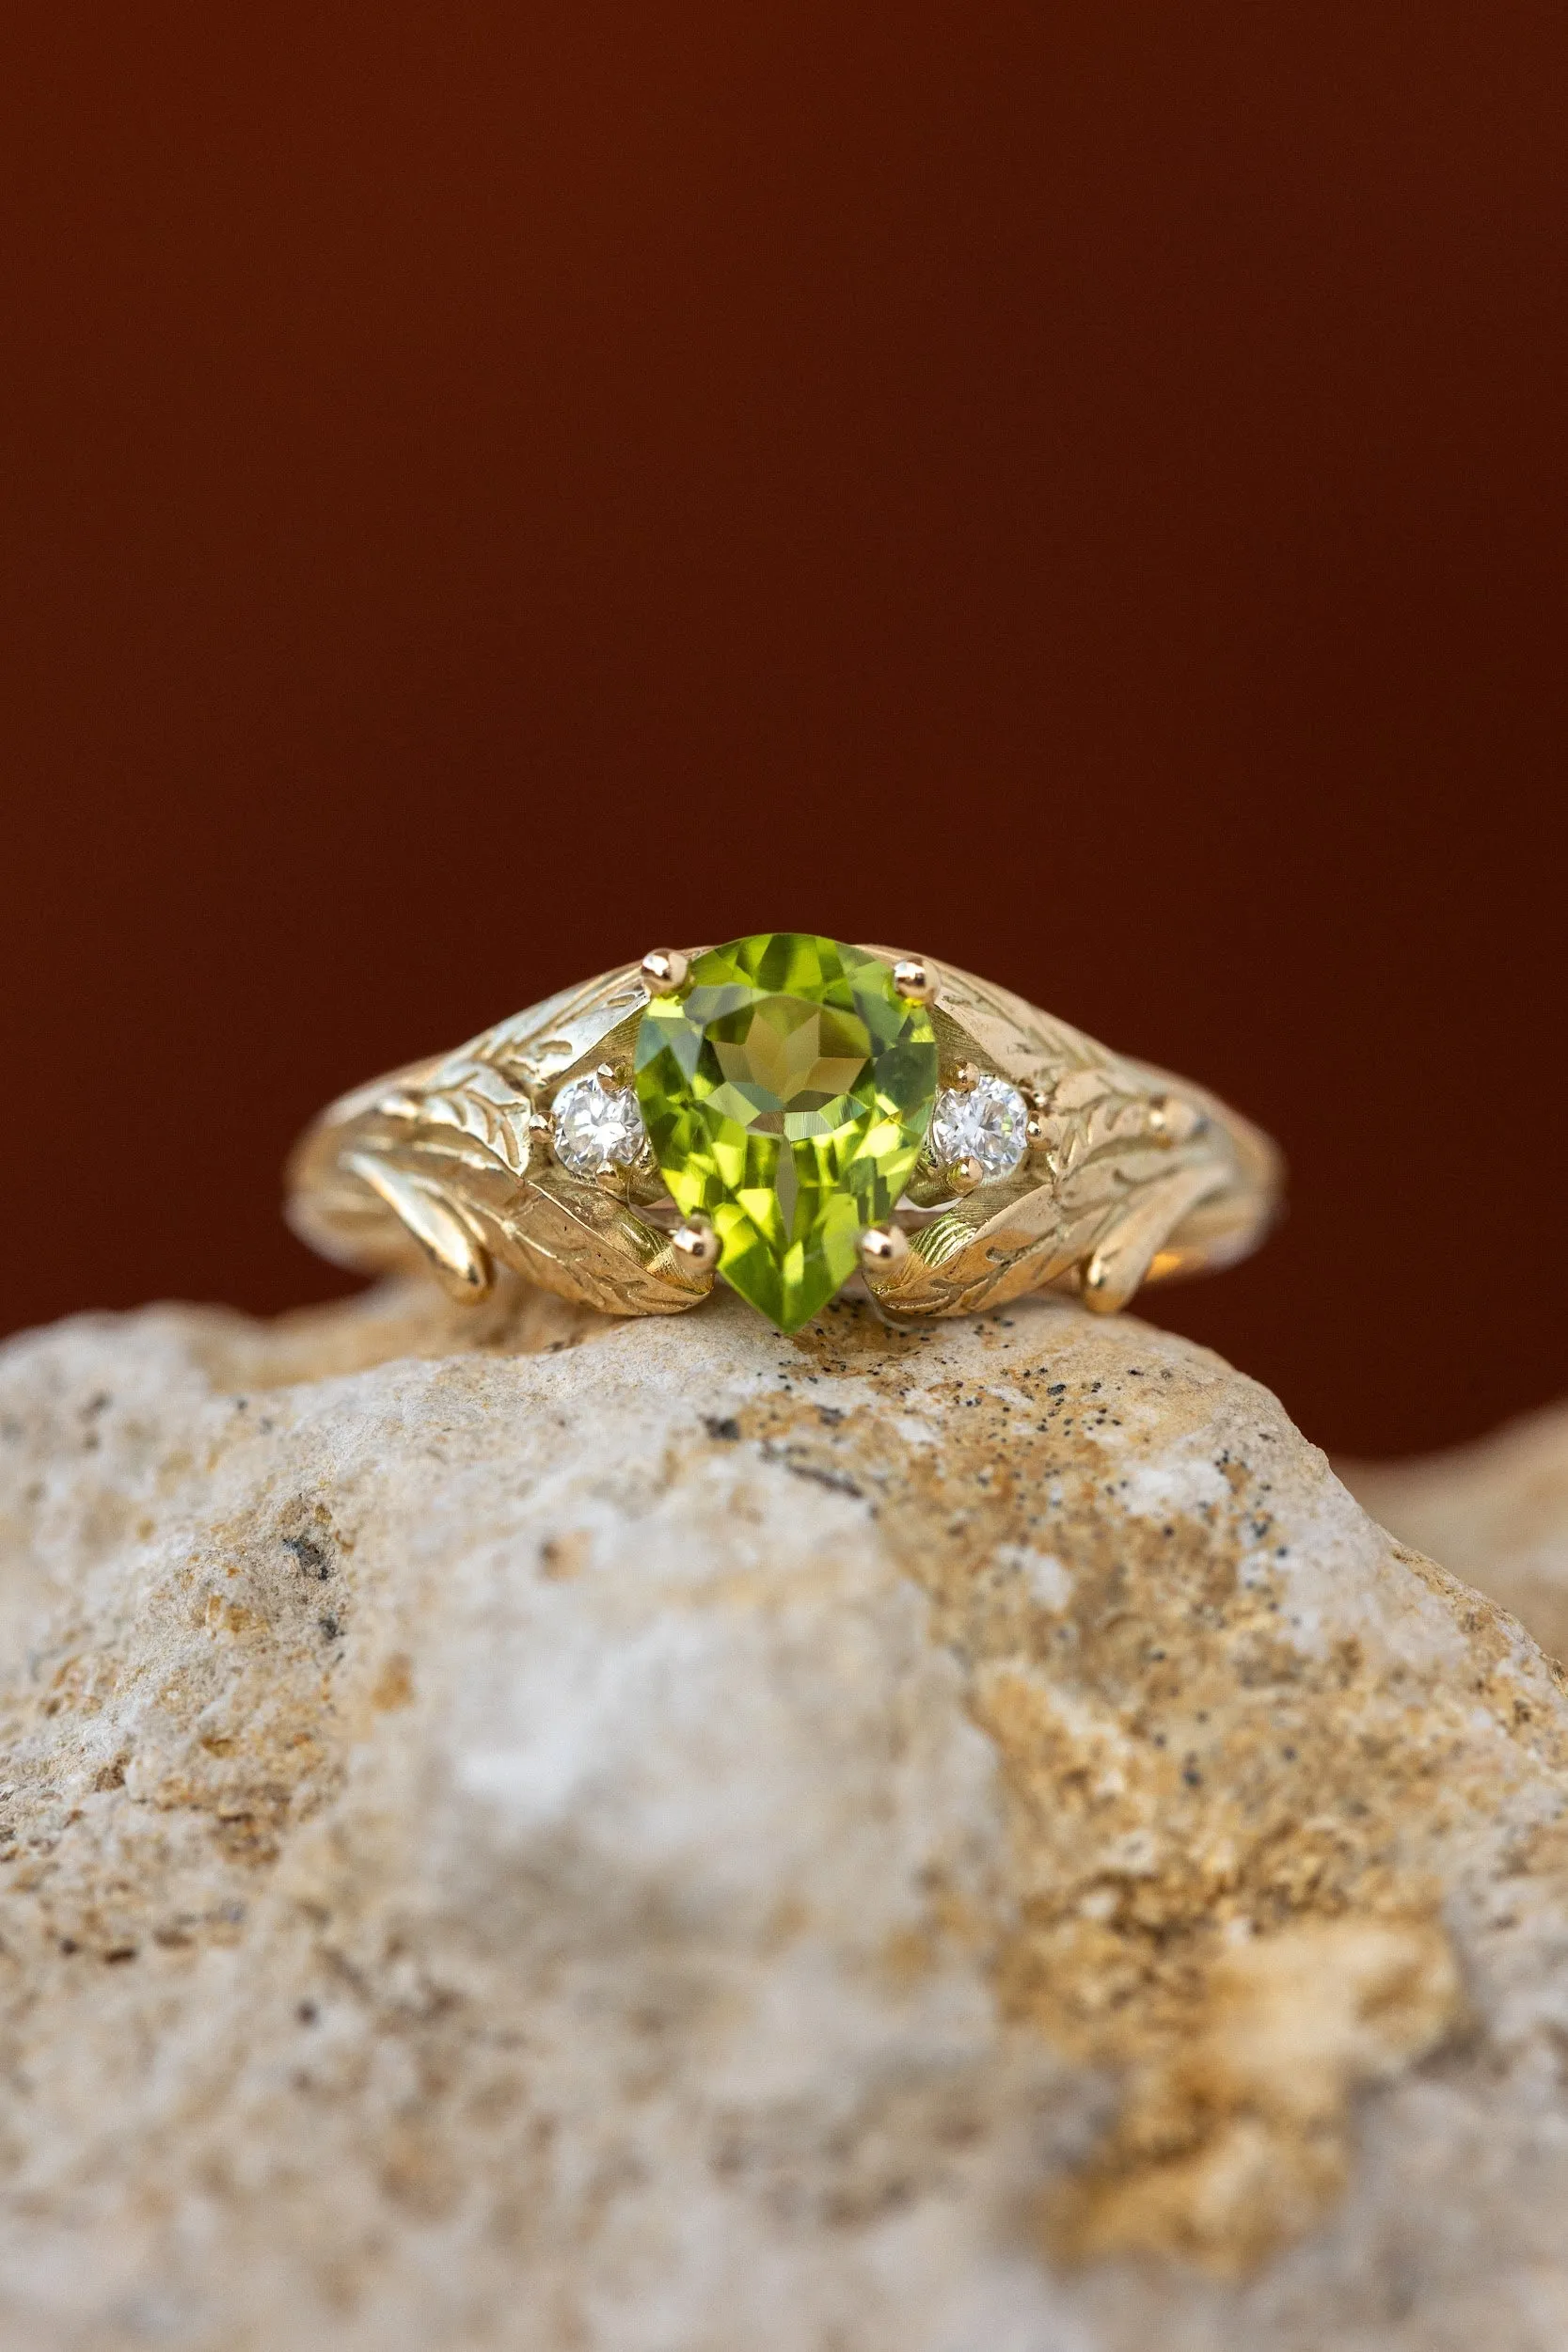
[
  {"x": 596, "y": 1128},
  {"x": 786, "y": 1091},
  {"x": 987, "y": 1121}
]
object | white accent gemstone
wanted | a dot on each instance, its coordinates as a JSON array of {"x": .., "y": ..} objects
[
  {"x": 987, "y": 1121},
  {"x": 596, "y": 1128}
]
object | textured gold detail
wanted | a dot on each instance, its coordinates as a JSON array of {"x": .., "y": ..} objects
[{"x": 1132, "y": 1175}]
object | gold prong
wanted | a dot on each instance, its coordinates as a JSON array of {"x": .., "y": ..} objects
[
  {"x": 1173, "y": 1121},
  {"x": 963, "y": 1175},
  {"x": 966, "y": 1077},
  {"x": 1094, "y": 1284},
  {"x": 1034, "y": 1129},
  {"x": 664, "y": 971},
  {"x": 884, "y": 1247},
  {"x": 696, "y": 1245},
  {"x": 608, "y": 1076},
  {"x": 914, "y": 979}
]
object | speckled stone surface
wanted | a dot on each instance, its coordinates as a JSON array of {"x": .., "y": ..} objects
[
  {"x": 520, "y": 1832},
  {"x": 1494, "y": 1512}
]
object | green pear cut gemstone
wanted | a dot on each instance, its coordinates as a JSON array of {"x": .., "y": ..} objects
[{"x": 786, "y": 1091}]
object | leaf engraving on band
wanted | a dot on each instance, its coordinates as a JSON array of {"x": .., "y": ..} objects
[{"x": 1131, "y": 1172}]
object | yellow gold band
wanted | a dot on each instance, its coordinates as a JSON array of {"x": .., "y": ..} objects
[{"x": 459, "y": 1164}]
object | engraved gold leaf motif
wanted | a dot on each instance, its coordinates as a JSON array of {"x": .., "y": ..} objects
[{"x": 1132, "y": 1174}]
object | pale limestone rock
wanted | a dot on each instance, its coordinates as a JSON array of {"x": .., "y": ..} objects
[
  {"x": 1495, "y": 1513},
  {"x": 522, "y": 1833}
]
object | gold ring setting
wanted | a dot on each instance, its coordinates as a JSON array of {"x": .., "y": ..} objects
[{"x": 797, "y": 1117}]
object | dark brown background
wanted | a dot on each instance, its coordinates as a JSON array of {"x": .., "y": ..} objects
[{"x": 1080, "y": 490}]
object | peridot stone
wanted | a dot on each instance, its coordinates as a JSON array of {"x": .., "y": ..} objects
[{"x": 786, "y": 1092}]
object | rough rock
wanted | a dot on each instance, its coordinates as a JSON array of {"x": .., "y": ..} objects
[
  {"x": 1495, "y": 1513},
  {"x": 523, "y": 1831}
]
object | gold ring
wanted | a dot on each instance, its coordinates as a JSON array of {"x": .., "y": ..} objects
[{"x": 795, "y": 1115}]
